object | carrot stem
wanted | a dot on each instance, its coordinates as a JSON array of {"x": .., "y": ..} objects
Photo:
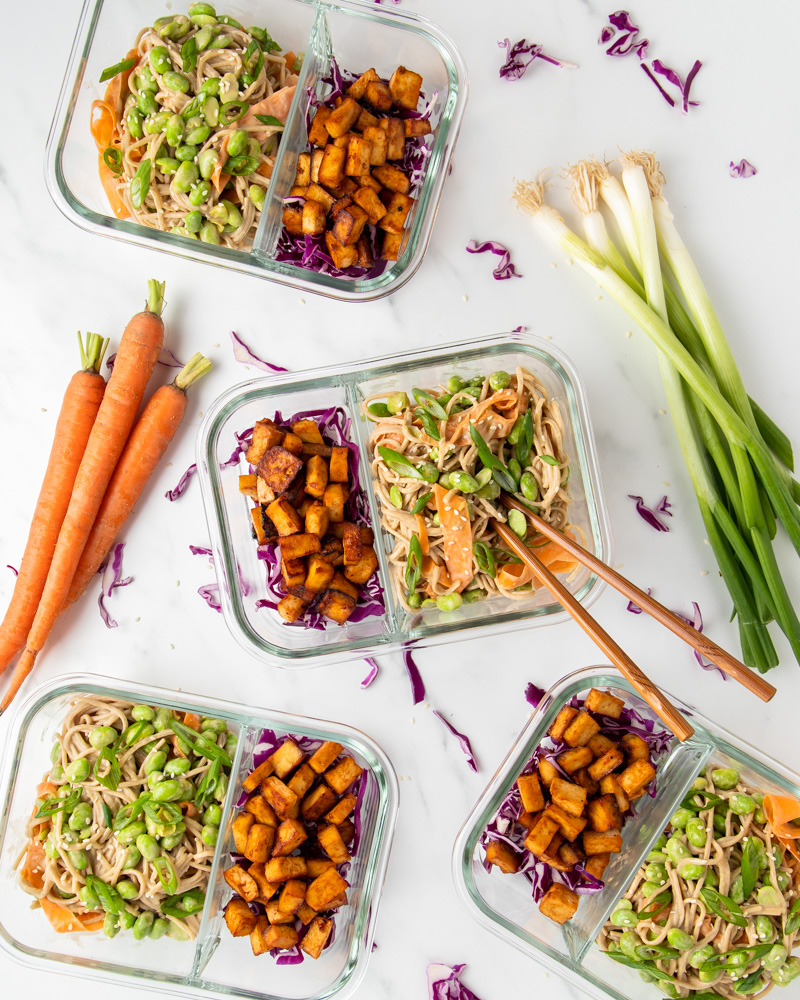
[
  {"x": 195, "y": 368},
  {"x": 155, "y": 296},
  {"x": 94, "y": 351}
]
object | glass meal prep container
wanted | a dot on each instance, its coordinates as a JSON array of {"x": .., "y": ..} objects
[
  {"x": 241, "y": 573},
  {"x": 215, "y": 963},
  {"x": 503, "y": 904},
  {"x": 357, "y": 35}
]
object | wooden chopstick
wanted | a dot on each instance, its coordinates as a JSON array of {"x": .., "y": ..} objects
[
  {"x": 705, "y": 646},
  {"x": 661, "y": 705}
]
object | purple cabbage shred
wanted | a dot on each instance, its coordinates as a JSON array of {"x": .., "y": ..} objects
[
  {"x": 652, "y": 515},
  {"x": 696, "y": 621},
  {"x": 374, "y": 669},
  {"x": 742, "y": 169},
  {"x": 183, "y": 482},
  {"x": 634, "y": 608},
  {"x": 520, "y": 55},
  {"x": 505, "y": 269},
  {"x": 519, "y": 329},
  {"x": 209, "y": 591},
  {"x": 534, "y": 694},
  {"x": 463, "y": 741},
  {"x": 243, "y": 354},
  {"x": 444, "y": 983},
  {"x": 13, "y": 569},
  {"x": 417, "y": 686},
  {"x": 675, "y": 79},
  {"x": 111, "y": 578}
]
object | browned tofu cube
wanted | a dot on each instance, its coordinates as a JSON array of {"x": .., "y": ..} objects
[
  {"x": 341, "y": 255},
  {"x": 367, "y": 534},
  {"x": 502, "y": 856},
  {"x": 559, "y": 903},
  {"x": 585, "y": 780},
  {"x": 317, "y": 133},
  {"x": 302, "y": 176},
  {"x": 261, "y": 811},
  {"x": 397, "y": 208},
  {"x": 365, "y": 120},
  {"x": 332, "y": 550},
  {"x": 257, "y": 943},
  {"x": 604, "y": 814},
  {"x": 570, "y": 826},
  {"x": 416, "y": 126},
  {"x": 334, "y": 499},
  {"x": 316, "y": 937},
  {"x": 338, "y": 471},
  {"x": 264, "y": 492},
  {"x": 281, "y": 869},
  {"x": 291, "y": 608},
  {"x": 307, "y": 431},
  {"x": 293, "y": 571},
  {"x": 602, "y": 842},
  {"x": 303, "y": 593},
  {"x": 317, "y": 519},
  {"x": 568, "y": 796},
  {"x": 317, "y": 802},
  {"x": 284, "y": 516},
  {"x": 547, "y": 772},
  {"x": 597, "y": 864},
  {"x": 259, "y": 842},
  {"x": 366, "y": 258},
  {"x": 528, "y": 820},
  {"x": 286, "y": 758},
  {"x": 530, "y": 791},
  {"x": 266, "y": 889},
  {"x": 379, "y": 144},
  {"x": 340, "y": 205},
  {"x": 340, "y": 900},
  {"x": 290, "y": 835},
  {"x": 330, "y": 840},
  {"x": 350, "y": 224},
  {"x": 238, "y": 879},
  {"x": 570, "y": 854},
  {"x": 359, "y": 152},
  {"x": 378, "y": 95},
  {"x": 361, "y": 571},
  {"x": 275, "y": 915},
  {"x": 256, "y": 776},
  {"x": 343, "y": 141},
  {"x": 358, "y": 88},
  {"x": 241, "y": 827},
  {"x": 395, "y": 137},
  {"x": 298, "y": 546},
  {"x": 561, "y": 721},
  {"x": 341, "y": 810},
  {"x": 604, "y": 765},
  {"x": 239, "y": 918},
  {"x": 343, "y": 118},
  {"x": 316, "y": 163},
  {"x": 293, "y": 219},
  {"x": 336, "y": 606},
  {"x": 279, "y": 796},
  {"x": 297, "y": 191},
  {"x": 552, "y": 857},
  {"x": 306, "y": 913},
  {"x": 281, "y": 936},
  {"x": 392, "y": 178},
  {"x": 610, "y": 785},
  {"x": 324, "y": 889},
  {"x": 291, "y": 442},
  {"x": 349, "y": 186},
  {"x": 581, "y": 730},
  {"x": 316, "y": 476},
  {"x": 319, "y": 575},
  {"x": 324, "y": 756},
  {"x": 322, "y": 197},
  {"x": 313, "y": 221},
  {"x": 265, "y": 436},
  {"x": 636, "y": 777},
  {"x": 302, "y": 779},
  {"x": 603, "y": 703},
  {"x": 368, "y": 200},
  {"x": 248, "y": 485},
  {"x": 262, "y": 525},
  {"x": 316, "y": 866},
  {"x": 342, "y": 776},
  {"x": 351, "y": 542},
  {"x": 292, "y": 897},
  {"x": 635, "y": 747},
  {"x": 540, "y": 835},
  {"x": 392, "y": 246},
  {"x": 600, "y": 744},
  {"x": 573, "y": 760},
  {"x": 331, "y": 170},
  {"x": 404, "y": 87}
]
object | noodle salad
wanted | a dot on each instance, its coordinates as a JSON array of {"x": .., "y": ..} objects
[
  {"x": 189, "y": 126},
  {"x": 716, "y": 908},
  {"x": 439, "y": 462},
  {"x": 123, "y": 832}
]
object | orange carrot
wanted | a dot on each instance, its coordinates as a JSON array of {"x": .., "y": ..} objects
[
  {"x": 138, "y": 353},
  {"x": 78, "y": 411},
  {"x": 148, "y": 441}
]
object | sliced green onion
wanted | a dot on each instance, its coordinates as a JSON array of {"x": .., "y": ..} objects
[
  {"x": 120, "y": 67},
  {"x": 549, "y": 460},
  {"x": 140, "y": 184},
  {"x": 112, "y": 158},
  {"x": 52, "y": 804},
  {"x": 524, "y": 444},
  {"x": 484, "y": 558},
  {"x": 428, "y": 423},
  {"x": 793, "y": 919},
  {"x": 113, "y": 774},
  {"x": 189, "y": 54},
  {"x": 421, "y": 503},
  {"x": 414, "y": 564},
  {"x": 270, "y": 120},
  {"x": 723, "y": 906},
  {"x": 429, "y": 402},
  {"x": 398, "y": 463},
  {"x": 167, "y": 875},
  {"x": 185, "y": 904}
]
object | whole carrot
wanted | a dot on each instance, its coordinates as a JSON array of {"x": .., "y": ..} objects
[
  {"x": 75, "y": 420},
  {"x": 138, "y": 352},
  {"x": 154, "y": 430}
]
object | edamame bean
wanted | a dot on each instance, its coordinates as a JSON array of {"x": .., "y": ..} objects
[
  {"x": 680, "y": 939},
  {"x": 132, "y": 858},
  {"x": 81, "y": 816},
  {"x": 765, "y": 931},
  {"x": 742, "y": 804},
  {"x": 711, "y": 879},
  {"x": 156, "y": 123},
  {"x": 414, "y": 600},
  {"x": 775, "y": 958},
  {"x": 736, "y": 891},
  {"x": 473, "y": 390},
  {"x": 464, "y": 482},
  {"x": 209, "y": 834},
  {"x": 760, "y": 816},
  {"x": 656, "y": 873},
  {"x": 193, "y": 223},
  {"x": 257, "y": 196},
  {"x": 158, "y": 928},
  {"x": 183, "y": 153},
  {"x": 516, "y": 430},
  {"x": 237, "y": 143},
  {"x": 518, "y": 523},
  {"x": 483, "y": 477},
  {"x": 127, "y": 889},
  {"x": 167, "y": 164},
  {"x": 138, "y": 731},
  {"x": 783, "y": 880},
  {"x": 207, "y": 163},
  {"x": 131, "y": 832},
  {"x": 473, "y": 596},
  {"x": 528, "y": 486},
  {"x": 628, "y": 943},
  {"x": 768, "y": 895},
  {"x": 126, "y": 920},
  {"x": 111, "y": 925},
  {"x": 657, "y": 857},
  {"x": 449, "y": 602},
  {"x": 213, "y": 815},
  {"x": 146, "y": 81},
  {"x": 148, "y": 846},
  {"x": 787, "y": 972},
  {"x": 79, "y": 860},
  {"x": 177, "y": 931},
  {"x": 203, "y": 39},
  {"x": 135, "y": 118},
  {"x": 160, "y": 59},
  {"x": 171, "y": 841},
  {"x": 185, "y": 176},
  {"x": 146, "y": 102},
  {"x": 78, "y": 770},
  {"x": 211, "y": 111},
  {"x": 163, "y": 719},
  {"x": 176, "y": 28},
  {"x": 209, "y": 233},
  {"x": 197, "y": 136},
  {"x": 499, "y": 380},
  {"x": 89, "y": 898},
  {"x": 55, "y": 753},
  {"x": 177, "y": 766},
  {"x": 676, "y": 849},
  {"x": 691, "y": 871},
  {"x": 220, "y": 41},
  {"x": 653, "y": 889},
  {"x": 444, "y": 480},
  {"x": 428, "y": 603},
  {"x": 624, "y": 918},
  {"x": 155, "y": 761},
  {"x": 696, "y": 832},
  {"x": 491, "y": 491},
  {"x": 719, "y": 824},
  {"x": 234, "y": 216},
  {"x": 395, "y": 496},
  {"x": 154, "y": 778},
  {"x": 680, "y": 818},
  {"x": 430, "y": 473},
  {"x": 222, "y": 788},
  {"x": 57, "y": 773},
  {"x": 144, "y": 923},
  {"x": 168, "y": 790},
  {"x": 624, "y": 904},
  {"x": 699, "y": 958},
  {"x": 397, "y": 403},
  {"x": 725, "y": 777}
]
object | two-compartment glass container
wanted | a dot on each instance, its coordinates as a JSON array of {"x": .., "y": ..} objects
[
  {"x": 503, "y": 903},
  {"x": 241, "y": 573},
  {"x": 215, "y": 964},
  {"x": 357, "y": 35}
]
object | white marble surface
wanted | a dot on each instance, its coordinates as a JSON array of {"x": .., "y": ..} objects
[{"x": 56, "y": 279}]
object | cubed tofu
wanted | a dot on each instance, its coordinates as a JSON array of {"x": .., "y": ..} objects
[
  {"x": 351, "y": 543},
  {"x": 344, "y": 586},
  {"x": 261, "y": 811},
  {"x": 547, "y": 772},
  {"x": 241, "y": 827},
  {"x": 330, "y": 840},
  {"x": 281, "y": 869},
  {"x": 284, "y": 516},
  {"x": 604, "y": 814},
  {"x": 530, "y": 791},
  {"x": 266, "y": 889},
  {"x": 368, "y": 200},
  {"x": 540, "y": 835},
  {"x": 361, "y": 571},
  {"x": 317, "y": 802},
  {"x": 260, "y": 839},
  {"x": 528, "y": 820},
  {"x": 358, "y": 88},
  {"x": 275, "y": 915},
  {"x": 337, "y": 901},
  {"x": 603, "y": 703},
  {"x": 350, "y": 224},
  {"x": 379, "y": 144},
  {"x": 600, "y": 744},
  {"x": 502, "y": 856},
  {"x": 316, "y": 937},
  {"x": 340, "y": 205},
  {"x": 298, "y": 546},
  {"x": 336, "y": 606},
  {"x": 257, "y": 942},
  {"x": 279, "y": 796},
  {"x": 585, "y": 780},
  {"x": 248, "y": 485},
  {"x": 292, "y": 897},
  {"x": 286, "y": 758},
  {"x": 290, "y": 835},
  {"x": 317, "y": 133},
  {"x": 302, "y": 174},
  {"x": 570, "y": 854},
  {"x": 318, "y": 194},
  {"x": 316, "y": 162},
  {"x": 264, "y": 492},
  {"x": 324, "y": 889},
  {"x": 611, "y": 785},
  {"x": 602, "y": 842},
  {"x": 397, "y": 208},
  {"x": 378, "y": 95},
  {"x": 560, "y": 723},
  {"x": 559, "y": 903},
  {"x": 635, "y": 747},
  {"x": 347, "y": 831},
  {"x": 334, "y": 499},
  {"x": 324, "y": 756},
  {"x": 263, "y": 527},
  {"x": 256, "y": 776},
  {"x": 552, "y": 857},
  {"x": 365, "y": 120},
  {"x": 239, "y": 918},
  {"x": 343, "y": 808},
  {"x": 281, "y": 936},
  {"x": 307, "y": 431},
  {"x": 317, "y": 519},
  {"x": 332, "y": 550},
  {"x": 570, "y": 826},
  {"x": 366, "y": 534},
  {"x": 293, "y": 219},
  {"x": 342, "y": 776},
  {"x": 391, "y": 246},
  {"x": 392, "y": 178},
  {"x": 341, "y": 255},
  {"x": 416, "y": 126},
  {"x": 302, "y": 779},
  {"x": 604, "y": 765},
  {"x": 303, "y": 593},
  {"x": 331, "y": 170},
  {"x": 395, "y": 137},
  {"x": 636, "y": 777},
  {"x": 306, "y": 913},
  {"x": 293, "y": 571},
  {"x": 573, "y": 760},
  {"x": 238, "y": 879},
  {"x": 297, "y": 191},
  {"x": 366, "y": 258},
  {"x": 319, "y": 574},
  {"x": 314, "y": 218},
  {"x": 343, "y": 118},
  {"x": 597, "y": 864},
  {"x": 568, "y": 796},
  {"x": 404, "y": 87},
  {"x": 316, "y": 476},
  {"x": 291, "y": 608},
  {"x": 316, "y": 866},
  {"x": 581, "y": 730},
  {"x": 265, "y": 436},
  {"x": 359, "y": 152},
  {"x": 338, "y": 471}
]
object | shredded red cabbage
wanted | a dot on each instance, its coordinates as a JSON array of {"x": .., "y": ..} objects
[
  {"x": 463, "y": 741},
  {"x": 111, "y": 578},
  {"x": 519, "y": 329},
  {"x": 243, "y": 353},
  {"x": 373, "y": 672},
  {"x": 505, "y": 269},
  {"x": 675, "y": 79},
  {"x": 521, "y": 55},
  {"x": 417, "y": 686},
  {"x": 634, "y": 608},
  {"x": 505, "y": 826},
  {"x": 183, "y": 482},
  {"x": 209, "y": 591},
  {"x": 13, "y": 569},
  {"x": 650, "y": 515},
  {"x": 534, "y": 694},
  {"x": 696, "y": 621},
  {"x": 742, "y": 169},
  {"x": 444, "y": 983}
]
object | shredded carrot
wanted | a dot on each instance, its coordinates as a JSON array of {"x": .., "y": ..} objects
[
  {"x": 65, "y": 921},
  {"x": 456, "y": 534},
  {"x": 781, "y": 810},
  {"x": 192, "y": 720},
  {"x": 102, "y": 124},
  {"x": 109, "y": 181},
  {"x": 422, "y": 528}
]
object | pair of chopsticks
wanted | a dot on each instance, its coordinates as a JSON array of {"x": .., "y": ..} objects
[{"x": 661, "y": 705}]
